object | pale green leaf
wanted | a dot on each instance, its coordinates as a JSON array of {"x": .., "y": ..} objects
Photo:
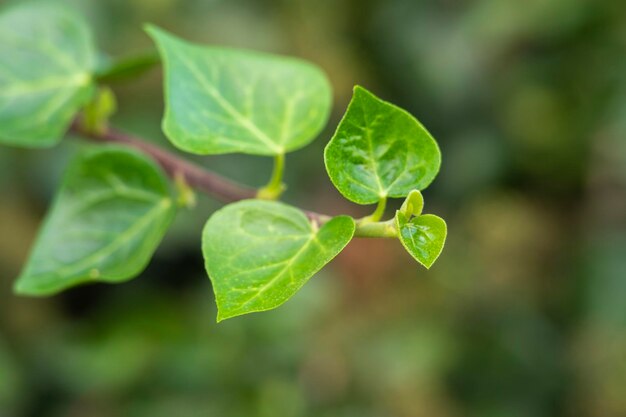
[
  {"x": 413, "y": 204},
  {"x": 221, "y": 100},
  {"x": 260, "y": 253},
  {"x": 108, "y": 217},
  {"x": 379, "y": 151},
  {"x": 422, "y": 236},
  {"x": 46, "y": 61}
]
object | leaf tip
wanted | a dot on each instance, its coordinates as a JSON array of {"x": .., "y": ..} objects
[
  {"x": 427, "y": 265},
  {"x": 154, "y": 31},
  {"x": 22, "y": 288},
  {"x": 223, "y": 312},
  {"x": 221, "y": 316},
  {"x": 360, "y": 91},
  {"x": 358, "y": 88},
  {"x": 150, "y": 29},
  {"x": 18, "y": 288}
]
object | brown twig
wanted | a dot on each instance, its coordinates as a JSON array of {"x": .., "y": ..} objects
[{"x": 196, "y": 177}]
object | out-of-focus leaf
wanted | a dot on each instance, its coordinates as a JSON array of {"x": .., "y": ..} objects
[
  {"x": 109, "y": 216},
  {"x": 46, "y": 63},
  {"x": 127, "y": 68}
]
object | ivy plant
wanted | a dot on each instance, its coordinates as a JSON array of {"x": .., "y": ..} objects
[
  {"x": 119, "y": 196},
  {"x": 46, "y": 73}
]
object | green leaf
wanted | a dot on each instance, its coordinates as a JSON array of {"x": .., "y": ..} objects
[
  {"x": 260, "y": 253},
  {"x": 422, "y": 236},
  {"x": 46, "y": 61},
  {"x": 413, "y": 205},
  {"x": 221, "y": 100},
  {"x": 380, "y": 151},
  {"x": 108, "y": 217}
]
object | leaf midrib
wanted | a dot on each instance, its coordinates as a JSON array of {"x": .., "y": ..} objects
[
  {"x": 223, "y": 102},
  {"x": 78, "y": 79}
]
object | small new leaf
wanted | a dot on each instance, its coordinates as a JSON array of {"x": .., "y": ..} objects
[
  {"x": 413, "y": 204},
  {"x": 46, "y": 63},
  {"x": 260, "y": 253},
  {"x": 108, "y": 217},
  {"x": 422, "y": 236},
  {"x": 221, "y": 100},
  {"x": 380, "y": 151}
]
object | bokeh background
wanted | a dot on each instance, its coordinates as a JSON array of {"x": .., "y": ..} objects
[{"x": 524, "y": 315}]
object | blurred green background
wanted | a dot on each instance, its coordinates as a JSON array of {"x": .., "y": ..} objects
[{"x": 524, "y": 315}]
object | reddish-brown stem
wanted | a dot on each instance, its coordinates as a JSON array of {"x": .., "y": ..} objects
[
  {"x": 201, "y": 179},
  {"x": 196, "y": 177}
]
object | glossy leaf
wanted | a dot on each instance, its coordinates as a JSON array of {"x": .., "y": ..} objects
[
  {"x": 221, "y": 100},
  {"x": 413, "y": 204},
  {"x": 109, "y": 216},
  {"x": 46, "y": 61},
  {"x": 259, "y": 253},
  {"x": 379, "y": 151},
  {"x": 422, "y": 236}
]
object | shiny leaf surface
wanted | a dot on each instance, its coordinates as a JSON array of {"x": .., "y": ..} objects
[
  {"x": 422, "y": 236},
  {"x": 379, "y": 151},
  {"x": 221, "y": 100},
  {"x": 260, "y": 253}
]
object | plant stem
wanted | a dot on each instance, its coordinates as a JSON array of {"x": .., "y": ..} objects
[
  {"x": 128, "y": 68},
  {"x": 275, "y": 186},
  {"x": 376, "y": 229},
  {"x": 378, "y": 213},
  {"x": 195, "y": 176},
  {"x": 219, "y": 187}
]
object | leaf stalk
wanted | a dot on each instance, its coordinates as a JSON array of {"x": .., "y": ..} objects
[
  {"x": 376, "y": 229},
  {"x": 275, "y": 187},
  {"x": 195, "y": 176},
  {"x": 378, "y": 212}
]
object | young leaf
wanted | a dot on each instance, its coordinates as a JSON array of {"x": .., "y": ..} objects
[
  {"x": 422, "y": 236},
  {"x": 413, "y": 204},
  {"x": 221, "y": 100},
  {"x": 109, "y": 216},
  {"x": 46, "y": 61},
  {"x": 259, "y": 253},
  {"x": 379, "y": 151}
]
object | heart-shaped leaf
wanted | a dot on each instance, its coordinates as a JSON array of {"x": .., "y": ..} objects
[
  {"x": 422, "y": 236},
  {"x": 222, "y": 100},
  {"x": 260, "y": 253},
  {"x": 109, "y": 216},
  {"x": 46, "y": 62},
  {"x": 379, "y": 151}
]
